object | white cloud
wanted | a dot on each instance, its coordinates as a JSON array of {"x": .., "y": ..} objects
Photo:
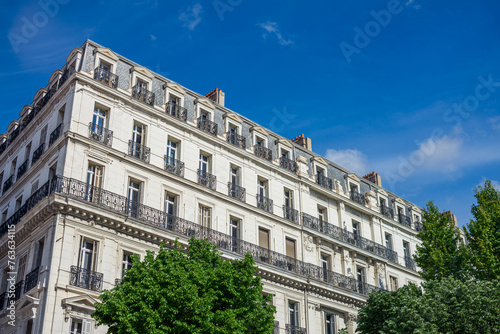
[
  {"x": 191, "y": 17},
  {"x": 439, "y": 154},
  {"x": 153, "y": 37},
  {"x": 272, "y": 28},
  {"x": 352, "y": 160}
]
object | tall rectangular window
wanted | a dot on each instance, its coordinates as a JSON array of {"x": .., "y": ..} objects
[
  {"x": 138, "y": 134},
  {"x": 388, "y": 241},
  {"x": 329, "y": 323},
  {"x": 262, "y": 187},
  {"x": 38, "y": 255},
  {"x": 21, "y": 268},
  {"x": 43, "y": 135},
  {"x": 170, "y": 209},
  {"x": 322, "y": 214},
  {"x": 235, "y": 230},
  {"x": 263, "y": 238},
  {"x": 356, "y": 229},
  {"x": 325, "y": 265},
  {"x": 293, "y": 314},
  {"x": 99, "y": 118},
  {"x": 290, "y": 248},
  {"x": 126, "y": 262},
  {"x": 361, "y": 277},
  {"x": 94, "y": 181},
  {"x": 205, "y": 216},
  {"x": 27, "y": 152},
  {"x": 87, "y": 258},
  {"x": 234, "y": 175},
  {"x": 133, "y": 197},
  {"x": 171, "y": 152},
  {"x": 406, "y": 249},
  {"x": 394, "y": 283},
  {"x": 204, "y": 164},
  {"x": 288, "y": 194}
]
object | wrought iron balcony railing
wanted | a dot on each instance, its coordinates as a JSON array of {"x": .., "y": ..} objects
[
  {"x": 139, "y": 151},
  {"x": 357, "y": 197},
  {"x": 47, "y": 97},
  {"x": 236, "y": 139},
  {"x": 104, "y": 76},
  {"x": 291, "y": 329},
  {"x": 324, "y": 181},
  {"x": 2, "y": 300},
  {"x": 18, "y": 290},
  {"x": 118, "y": 281},
  {"x": 100, "y": 134},
  {"x": 340, "y": 234},
  {"x": 8, "y": 183},
  {"x": 174, "y": 166},
  {"x": 177, "y": 111},
  {"x": 418, "y": 225},
  {"x": 265, "y": 203},
  {"x": 276, "y": 329},
  {"x": 386, "y": 211},
  {"x": 55, "y": 134},
  {"x": 206, "y": 179},
  {"x": 66, "y": 74},
  {"x": 3, "y": 146},
  {"x": 410, "y": 263},
  {"x": 290, "y": 214},
  {"x": 28, "y": 119},
  {"x": 37, "y": 153},
  {"x": 142, "y": 94},
  {"x": 23, "y": 168},
  {"x": 86, "y": 279},
  {"x": 404, "y": 220},
  {"x": 31, "y": 279},
  {"x": 207, "y": 125},
  {"x": 14, "y": 134},
  {"x": 288, "y": 164},
  {"x": 263, "y": 152},
  {"x": 236, "y": 191}
]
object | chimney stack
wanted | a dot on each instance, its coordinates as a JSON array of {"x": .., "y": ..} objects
[
  {"x": 217, "y": 96},
  {"x": 374, "y": 177},
  {"x": 303, "y": 141}
]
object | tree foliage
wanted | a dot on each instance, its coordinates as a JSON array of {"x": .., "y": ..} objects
[
  {"x": 193, "y": 291},
  {"x": 483, "y": 232},
  {"x": 442, "y": 306},
  {"x": 440, "y": 254}
]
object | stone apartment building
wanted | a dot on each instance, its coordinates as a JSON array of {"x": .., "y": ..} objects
[{"x": 111, "y": 159}]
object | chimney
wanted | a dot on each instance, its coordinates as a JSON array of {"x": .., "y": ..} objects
[
  {"x": 303, "y": 141},
  {"x": 374, "y": 177},
  {"x": 217, "y": 96},
  {"x": 452, "y": 217}
]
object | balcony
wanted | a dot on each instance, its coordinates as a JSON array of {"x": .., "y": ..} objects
[
  {"x": 324, "y": 181},
  {"x": 100, "y": 134},
  {"x": 140, "y": 93},
  {"x": 104, "y": 76},
  {"x": 418, "y": 225},
  {"x": 357, "y": 197},
  {"x": 118, "y": 281},
  {"x": 410, "y": 263},
  {"x": 8, "y": 183},
  {"x": 206, "y": 179},
  {"x": 276, "y": 329},
  {"x": 265, "y": 203},
  {"x": 139, "y": 151},
  {"x": 288, "y": 164},
  {"x": 343, "y": 235},
  {"x": 290, "y": 214},
  {"x": 23, "y": 168},
  {"x": 207, "y": 125},
  {"x": 404, "y": 220},
  {"x": 2, "y": 300},
  {"x": 31, "y": 279},
  {"x": 291, "y": 329},
  {"x": 18, "y": 290},
  {"x": 236, "y": 191},
  {"x": 236, "y": 139},
  {"x": 55, "y": 134},
  {"x": 386, "y": 211},
  {"x": 3, "y": 146},
  {"x": 47, "y": 97},
  {"x": 86, "y": 279},
  {"x": 175, "y": 110},
  {"x": 37, "y": 153},
  {"x": 174, "y": 166},
  {"x": 14, "y": 134},
  {"x": 263, "y": 152},
  {"x": 66, "y": 74}
]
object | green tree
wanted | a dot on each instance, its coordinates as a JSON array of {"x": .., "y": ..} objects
[
  {"x": 442, "y": 306},
  {"x": 483, "y": 232},
  {"x": 187, "y": 291},
  {"x": 440, "y": 254}
]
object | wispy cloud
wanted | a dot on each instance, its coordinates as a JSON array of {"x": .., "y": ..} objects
[
  {"x": 411, "y": 3},
  {"x": 153, "y": 37},
  {"x": 272, "y": 28},
  {"x": 352, "y": 160},
  {"x": 191, "y": 16}
]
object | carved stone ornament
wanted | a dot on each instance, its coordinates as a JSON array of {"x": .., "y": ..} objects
[{"x": 309, "y": 243}]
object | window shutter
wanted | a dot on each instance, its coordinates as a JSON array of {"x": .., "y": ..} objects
[
  {"x": 290, "y": 248},
  {"x": 94, "y": 256},
  {"x": 263, "y": 238},
  {"x": 86, "y": 326}
]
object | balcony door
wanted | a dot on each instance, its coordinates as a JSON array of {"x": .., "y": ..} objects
[
  {"x": 87, "y": 256},
  {"x": 170, "y": 210},
  {"x": 234, "y": 230},
  {"x": 204, "y": 164},
  {"x": 133, "y": 196},
  {"x": 94, "y": 182},
  {"x": 138, "y": 139},
  {"x": 171, "y": 152},
  {"x": 98, "y": 121}
]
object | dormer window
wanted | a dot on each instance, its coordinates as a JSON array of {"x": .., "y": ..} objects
[{"x": 174, "y": 97}]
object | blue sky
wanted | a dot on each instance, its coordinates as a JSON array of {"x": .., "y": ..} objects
[{"x": 409, "y": 89}]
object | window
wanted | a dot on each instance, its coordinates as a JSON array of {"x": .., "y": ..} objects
[
  {"x": 37, "y": 256},
  {"x": 34, "y": 187},
  {"x": 205, "y": 216},
  {"x": 382, "y": 202},
  {"x": 98, "y": 120},
  {"x": 27, "y": 152},
  {"x": 126, "y": 262},
  {"x": 142, "y": 84},
  {"x": 80, "y": 326},
  {"x": 394, "y": 283},
  {"x": 290, "y": 248},
  {"x": 234, "y": 231},
  {"x": 19, "y": 202},
  {"x": 170, "y": 209},
  {"x": 29, "y": 326},
  {"x": 13, "y": 166},
  {"x": 288, "y": 198},
  {"x": 325, "y": 265},
  {"x": 388, "y": 241},
  {"x": 87, "y": 258},
  {"x": 204, "y": 115},
  {"x": 361, "y": 277},
  {"x": 94, "y": 181},
  {"x": 4, "y": 215},
  {"x": 263, "y": 238},
  {"x": 133, "y": 196},
  {"x": 234, "y": 176},
  {"x": 43, "y": 135},
  {"x": 353, "y": 187},
  {"x": 322, "y": 214},
  {"x": 330, "y": 323},
  {"x": 138, "y": 134},
  {"x": 21, "y": 268},
  {"x": 204, "y": 164},
  {"x": 171, "y": 152},
  {"x": 293, "y": 311},
  {"x": 262, "y": 190},
  {"x": 260, "y": 142},
  {"x": 356, "y": 230},
  {"x": 320, "y": 172},
  {"x": 406, "y": 249}
]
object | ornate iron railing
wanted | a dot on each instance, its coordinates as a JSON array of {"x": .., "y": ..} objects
[
  {"x": 86, "y": 279},
  {"x": 18, "y": 292},
  {"x": 386, "y": 211},
  {"x": 264, "y": 203},
  {"x": 31, "y": 279},
  {"x": 103, "y": 75},
  {"x": 37, "y": 153},
  {"x": 276, "y": 329},
  {"x": 28, "y": 119},
  {"x": 174, "y": 166},
  {"x": 142, "y": 94},
  {"x": 100, "y": 134},
  {"x": 8, "y": 183},
  {"x": 3, "y": 146},
  {"x": 55, "y": 134},
  {"x": 324, "y": 181},
  {"x": 410, "y": 263},
  {"x": 263, "y": 152},
  {"x": 290, "y": 214},
  {"x": 23, "y": 168},
  {"x": 418, "y": 225},
  {"x": 2, "y": 300},
  {"x": 236, "y": 139},
  {"x": 14, "y": 133},
  {"x": 206, "y": 179},
  {"x": 176, "y": 110},
  {"x": 207, "y": 125},
  {"x": 404, "y": 220},
  {"x": 236, "y": 191},
  {"x": 47, "y": 97},
  {"x": 288, "y": 164},
  {"x": 66, "y": 74},
  {"x": 139, "y": 151},
  {"x": 291, "y": 329},
  {"x": 343, "y": 235},
  {"x": 357, "y": 197},
  {"x": 118, "y": 281}
]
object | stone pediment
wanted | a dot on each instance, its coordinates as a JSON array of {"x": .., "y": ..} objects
[
  {"x": 382, "y": 192},
  {"x": 205, "y": 103},
  {"x": 74, "y": 53},
  {"x": 55, "y": 75},
  {"x": 260, "y": 130},
  {"x": 175, "y": 87},
  {"x": 319, "y": 160},
  {"x": 233, "y": 117},
  {"x": 83, "y": 302},
  {"x": 352, "y": 176},
  {"x": 144, "y": 71},
  {"x": 285, "y": 142},
  {"x": 107, "y": 53}
]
